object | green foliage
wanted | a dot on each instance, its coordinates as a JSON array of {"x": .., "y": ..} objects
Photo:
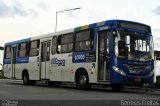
[{"x": 1, "y": 48}]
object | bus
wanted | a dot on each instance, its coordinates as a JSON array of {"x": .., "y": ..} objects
[
  {"x": 112, "y": 52},
  {"x": 157, "y": 68}
]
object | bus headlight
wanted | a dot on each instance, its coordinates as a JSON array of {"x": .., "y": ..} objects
[
  {"x": 118, "y": 70},
  {"x": 151, "y": 73}
]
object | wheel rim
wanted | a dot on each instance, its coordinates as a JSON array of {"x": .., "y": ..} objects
[{"x": 83, "y": 80}]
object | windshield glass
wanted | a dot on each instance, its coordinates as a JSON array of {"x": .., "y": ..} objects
[{"x": 133, "y": 46}]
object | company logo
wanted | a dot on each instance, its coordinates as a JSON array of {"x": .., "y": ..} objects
[{"x": 57, "y": 62}]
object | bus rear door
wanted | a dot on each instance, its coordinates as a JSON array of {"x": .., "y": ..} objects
[
  {"x": 45, "y": 59},
  {"x": 13, "y": 60}
]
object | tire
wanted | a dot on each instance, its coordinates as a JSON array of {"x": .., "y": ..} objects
[
  {"x": 25, "y": 78},
  {"x": 83, "y": 81},
  {"x": 117, "y": 87}
]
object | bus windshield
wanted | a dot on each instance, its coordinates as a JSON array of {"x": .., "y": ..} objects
[{"x": 134, "y": 46}]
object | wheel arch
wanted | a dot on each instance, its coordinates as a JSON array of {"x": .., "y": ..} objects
[
  {"x": 24, "y": 71},
  {"x": 80, "y": 70}
]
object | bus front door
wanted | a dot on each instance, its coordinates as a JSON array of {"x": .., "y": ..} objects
[
  {"x": 103, "y": 56},
  {"x": 45, "y": 59},
  {"x": 13, "y": 61}
]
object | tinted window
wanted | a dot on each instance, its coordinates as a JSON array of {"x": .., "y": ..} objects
[
  {"x": 84, "y": 41},
  {"x": 34, "y": 48},
  {"x": 82, "y": 36},
  {"x": 54, "y": 45},
  {"x": 67, "y": 38},
  {"x": 65, "y": 43},
  {"x": 22, "y": 51},
  {"x": 8, "y": 52}
]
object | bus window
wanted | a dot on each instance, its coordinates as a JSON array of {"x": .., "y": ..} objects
[
  {"x": 8, "y": 52},
  {"x": 66, "y": 43},
  {"x": 48, "y": 50},
  {"x": 22, "y": 51},
  {"x": 157, "y": 55},
  {"x": 83, "y": 41},
  {"x": 34, "y": 46},
  {"x": 54, "y": 45}
]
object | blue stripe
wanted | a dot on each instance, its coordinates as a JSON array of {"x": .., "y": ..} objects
[
  {"x": 93, "y": 25},
  {"x": 7, "y": 61},
  {"x": 18, "y": 60},
  {"x": 18, "y": 41},
  {"x": 22, "y": 60}
]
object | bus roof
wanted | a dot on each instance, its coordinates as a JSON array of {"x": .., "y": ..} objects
[{"x": 84, "y": 27}]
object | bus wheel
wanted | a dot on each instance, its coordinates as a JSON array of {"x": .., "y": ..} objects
[
  {"x": 25, "y": 78},
  {"x": 83, "y": 81},
  {"x": 117, "y": 87}
]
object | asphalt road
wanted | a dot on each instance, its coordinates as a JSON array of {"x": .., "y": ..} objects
[{"x": 15, "y": 90}]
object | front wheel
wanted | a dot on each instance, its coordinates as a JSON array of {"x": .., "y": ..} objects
[{"x": 83, "y": 81}]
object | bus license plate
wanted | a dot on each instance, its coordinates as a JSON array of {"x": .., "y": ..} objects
[{"x": 137, "y": 79}]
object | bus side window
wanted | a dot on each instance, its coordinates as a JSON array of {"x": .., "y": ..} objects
[
  {"x": 83, "y": 41},
  {"x": 7, "y": 52},
  {"x": 65, "y": 43},
  {"x": 34, "y": 48},
  {"x": 22, "y": 50},
  {"x": 54, "y": 45}
]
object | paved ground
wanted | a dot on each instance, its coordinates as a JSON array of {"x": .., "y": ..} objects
[{"x": 15, "y": 90}]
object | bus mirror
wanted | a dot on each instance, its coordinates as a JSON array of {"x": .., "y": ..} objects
[{"x": 114, "y": 33}]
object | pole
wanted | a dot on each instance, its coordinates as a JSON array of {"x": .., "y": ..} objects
[
  {"x": 60, "y": 12},
  {"x": 56, "y": 22}
]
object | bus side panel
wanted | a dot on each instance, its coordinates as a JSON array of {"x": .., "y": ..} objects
[
  {"x": 63, "y": 69},
  {"x": 89, "y": 67},
  {"x": 19, "y": 67},
  {"x": 7, "y": 70},
  {"x": 67, "y": 68},
  {"x": 32, "y": 68}
]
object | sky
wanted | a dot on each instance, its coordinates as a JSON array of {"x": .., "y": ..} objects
[{"x": 27, "y": 18}]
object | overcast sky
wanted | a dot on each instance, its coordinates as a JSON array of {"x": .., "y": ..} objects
[{"x": 27, "y": 18}]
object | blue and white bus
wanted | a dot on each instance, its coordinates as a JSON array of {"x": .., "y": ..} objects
[{"x": 114, "y": 52}]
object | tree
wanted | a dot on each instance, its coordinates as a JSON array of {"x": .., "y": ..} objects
[{"x": 1, "y": 48}]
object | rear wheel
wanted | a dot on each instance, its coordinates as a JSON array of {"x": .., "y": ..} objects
[
  {"x": 83, "y": 81},
  {"x": 25, "y": 78}
]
